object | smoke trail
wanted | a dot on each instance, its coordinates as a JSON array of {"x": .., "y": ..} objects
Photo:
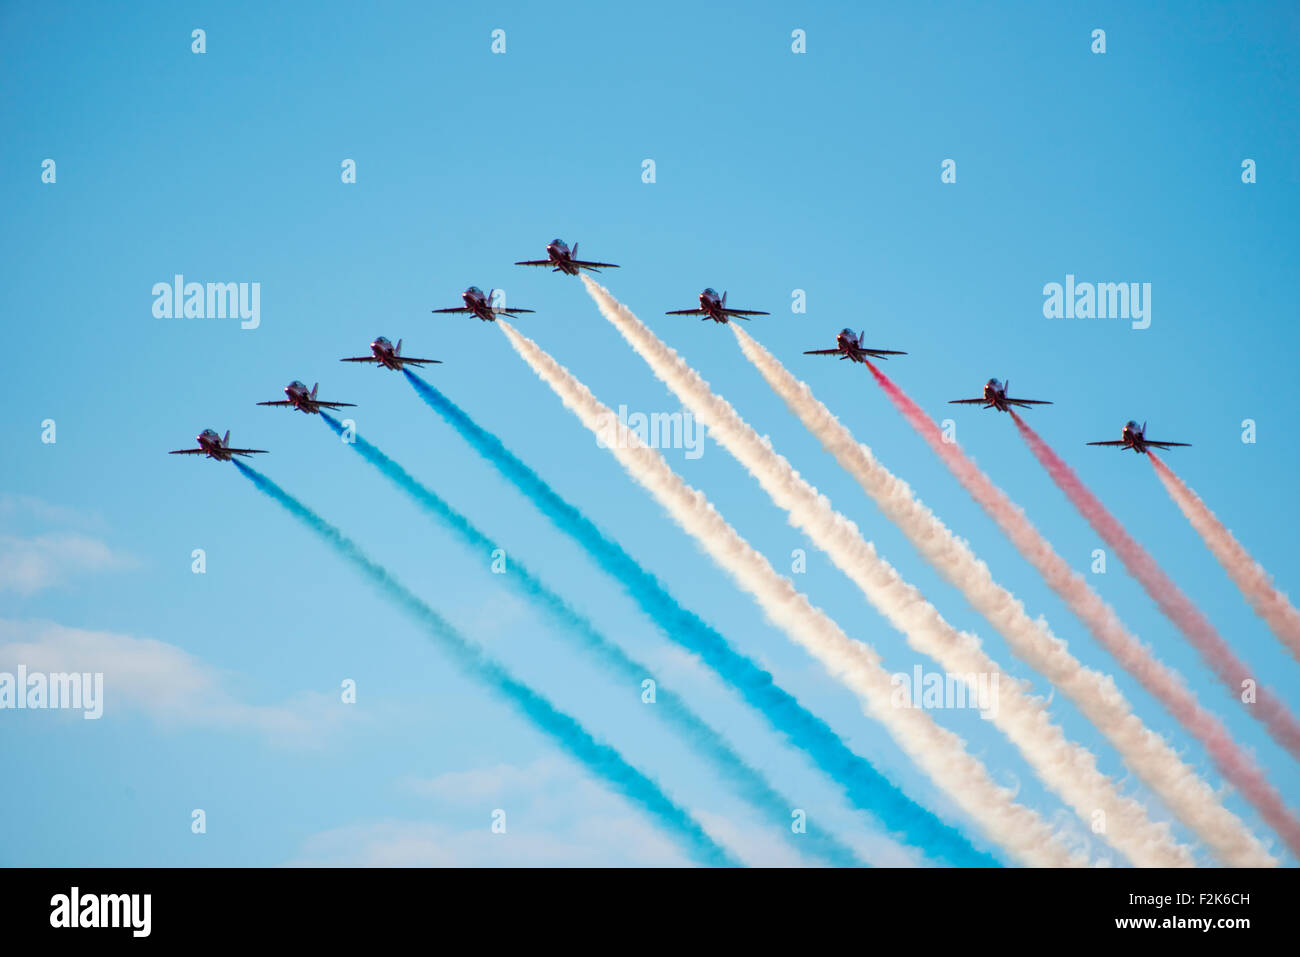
[
  {"x": 1095, "y": 693},
  {"x": 595, "y": 756},
  {"x": 1176, "y": 606},
  {"x": 749, "y": 781},
  {"x": 1068, "y": 769},
  {"x": 1220, "y": 829},
  {"x": 1255, "y": 583},
  {"x": 939, "y": 752},
  {"x": 864, "y": 786}
]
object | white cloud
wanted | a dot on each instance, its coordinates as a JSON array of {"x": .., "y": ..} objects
[
  {"x": 165, "y": 682},
  {"x": 604, "y": 842},
  {"x": 28, "y": 565},
  {"x": 556, "y": 816},
  {"x": 31, "y": 507}
]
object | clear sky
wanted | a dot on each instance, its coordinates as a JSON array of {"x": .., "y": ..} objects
[{"x": 774, "y": 172}]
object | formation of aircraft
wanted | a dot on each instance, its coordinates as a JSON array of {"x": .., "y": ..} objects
[
  {"x": 216, "y": 447},
  {"x": 713, "y": 306},
  {"x": 385, "y": 355},
  {"x": 304, "y": 401},
  {"x": 477, "y": 303},
  {"x": 995, "y": 397},
  {"x": 848, "y": 345},
  {"x": 561, "y": 259},
  {"x": 1134, "y": 437}
]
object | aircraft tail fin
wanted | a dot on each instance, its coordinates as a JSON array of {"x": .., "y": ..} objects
[
  {"x": 314, "y": 387},
  {"x": 397, "y": 351},
  {"x": 226, "y": 441},
  {"x": 574, "y": 254}
]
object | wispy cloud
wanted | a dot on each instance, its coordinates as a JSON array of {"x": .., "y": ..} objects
[
  {"x": 166, "y": 683},
  {"x": 31, "y": 564},
  {"x": 555, "y": 817},
  {"x": 30, "y": 508}
]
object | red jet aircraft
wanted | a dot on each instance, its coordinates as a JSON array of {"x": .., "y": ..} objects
[
  {"x": 995, "y": 397},
  {"x": 848, "y": 345},
  {"x": 479, "y": 304},
  {"x": 389, "y": 356},
  {"x": 302, "y": 400},
  {"x": 713, "y": 306},
  {"x": 1134, "y": 437},
  {"x": 561, "y": 259},
  {"x": 216, "y": 447}
]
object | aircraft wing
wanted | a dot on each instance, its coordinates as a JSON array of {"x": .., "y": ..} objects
[
  {"x": 337, "y": 405},
  {"x": 187, "y": 452},
  {"x": 967, "y": 401},
  {"x": 743, "y": 313},
  {"x": 535, "y": 262},
  {"x": 1115, "y": 442},
  {"x": 279, "y": 402},
  {"x": 884, "y": 352},
  {"x": 822, "y": 352},
  {"x": 687, "y": 312},
  {"x": 453, "y": 309},
  {"x": 1028, "y": 402},
  {"x": 402, "y": 360},
  {"x": 1165, "y": 445},
  {"x": 511, "y": 311},
  {"x": 584, "y": 264},
  {"x": 360, "y": 359},
  {"x": 247, "y": 451}
]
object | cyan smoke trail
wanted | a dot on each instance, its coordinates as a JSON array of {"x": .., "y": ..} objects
[
  {"x": 599, "y": 758},
  {"x": 865, "y": 787},
  {"x": 749, "y": 781}
]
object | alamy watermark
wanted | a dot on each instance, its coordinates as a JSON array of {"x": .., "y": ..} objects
[
  {"x": 938, "y": 691},
  {"x": 658, "y": 430},
  {"x": 179, "y": 299},
  {"x": 1100, "y": 300},
  {"x": 37, "y": 690}
]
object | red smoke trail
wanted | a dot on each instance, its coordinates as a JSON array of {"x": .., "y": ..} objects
[
  {"x": 1177, "y": 607},
  {"x": 1255, "y": 583},
  {"x": 1157, "y": 678}
]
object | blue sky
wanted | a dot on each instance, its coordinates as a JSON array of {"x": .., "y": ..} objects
[{"x": 774, "y": 172}]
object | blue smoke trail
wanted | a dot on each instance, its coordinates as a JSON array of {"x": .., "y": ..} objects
[
  {"x": 597, "y": 757},
  {"x": 866, "y": 788},
  {"x": 698, "y": 733}
]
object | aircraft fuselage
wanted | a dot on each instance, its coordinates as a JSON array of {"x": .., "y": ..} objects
[
  {"x": 560, "y": 254},
  {"x": 210, "y": 443}
]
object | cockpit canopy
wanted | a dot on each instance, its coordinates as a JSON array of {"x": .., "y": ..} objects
[
  {"x": 1133, "y": 426},
  {"x": 710, "y": 293},
  {"x": 476, "y": 291},
  {"x": 382, "y": 341},
  {"x": 210, "y": 434},
  {"x": 994, "y": 384},
  {"x": 560, "y": 244},
  {"x": 848, "y": 334},
  {"x": 297, "y": 386}
]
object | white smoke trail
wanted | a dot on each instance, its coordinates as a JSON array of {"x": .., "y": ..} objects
[
  {"x": 1255, "y": 583},
  {"x": 1162, "y": 682},
  {"x": 1068, "y": 769},
  {"x": 1146, "y": 753},
  {"x": 939, "y": 752}
]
